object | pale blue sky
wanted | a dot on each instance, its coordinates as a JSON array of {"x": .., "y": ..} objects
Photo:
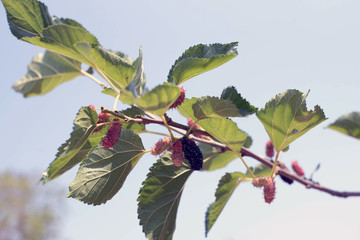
[{"x": 302, "y": 44}]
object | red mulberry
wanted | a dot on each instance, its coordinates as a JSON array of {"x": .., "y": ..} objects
[
  {"x": 269, "y": 190},
  {"x": 192, "y": 153},
  {"x": 177, "y": 155},
  {"x": 161, "y": 146},
  {"x": 269, "y": 149},
  {"x": 297, "y": 169},
  {"x": 113, "y": 134},
  {"x": 103, "y": 118},
  {"x": 179, "y": 100},
  {"x": 92, "y": 107}
]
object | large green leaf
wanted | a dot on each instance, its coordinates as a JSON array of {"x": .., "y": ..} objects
[
  {"x": 210, "y": 107},
  {"x": 214, "y": 158},
  {"x": 186, "y": 109},
  {"x": 45, "y": 72},
  {"x": 26, "y": 18},
  {"x": 104, "y": 172},
  {"x": 199, "y": 59},
  {"x": 243, "y": 106},
  {"x": 75, "y": 149},
  {"x": 228, "y": 183},
  {"x": 225, "y": 131},
  {"x": 348, "y": 124},
  {"x": 159, "y": 198},
  {"x": 159, "y": 99},
  {"x": 113, "y": 65},
  {"x": 286, "y": 118},
  {"x": 62, "y": 39}
]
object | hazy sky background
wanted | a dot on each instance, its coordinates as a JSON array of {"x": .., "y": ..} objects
[{"x": 303, "y": 44}]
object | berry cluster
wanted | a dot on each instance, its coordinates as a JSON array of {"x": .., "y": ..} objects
[
  {"x": 297, "y": 169},
  {"x": 192, "y": 153},
  {"x": 269, "y": 149},
  {"x": 113, "y": 134},
  {"x": 114, "y": 131},
  {"x": 161, "y": 146},
  {"x": 269, "y": 187},
  {"x": 179, "y": 100}
]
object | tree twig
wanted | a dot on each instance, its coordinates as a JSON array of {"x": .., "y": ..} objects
[{"x": 244, "y": 152}]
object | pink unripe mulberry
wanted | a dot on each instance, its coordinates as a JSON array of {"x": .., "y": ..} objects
[
  {"x": 269, "y": 190},
  {"x": 179, "y": 100},
  {"x": 113, "y": 134},
  {"x": 259, "y": 182},
  {"x": 177, "y": 155},
  {"x": 297, "y": 169},
  {"x": 161, "y": 146},
  {"x": 92, "y": 107},
  {"x": 103, "y": 118},
  {"x": 269, "y": 149}
]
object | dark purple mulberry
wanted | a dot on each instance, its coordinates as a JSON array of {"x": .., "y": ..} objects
[
  {"x": 113, "y": 134},
  {"x": 192, "y": 153}
]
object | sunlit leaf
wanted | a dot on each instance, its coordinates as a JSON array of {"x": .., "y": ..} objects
[
  {"x": 186, "y": 109},
  {"x": 286, "y": 118},
  {"x": 45, "y": 72},
  {"x": 77, "y": 147},
  {"x": 26, "y": 18},
  {"x": 159, "y": 198},
  {"x": 112, "y": 64},
  {"x": 348, "y": 124},
  {"x": 104, "y": 172},
  {"x": 210, "y": 107},
  {"x": 159, "y": 99},
  {"x": 199, "y": 59},
  {"x": 243, "y": 106},
  {"x": 225, "y": 131},
  {"x": 137, "y": 84},
  {"x": 259, "y": 171},
  {"x": 228, "y": 183}
]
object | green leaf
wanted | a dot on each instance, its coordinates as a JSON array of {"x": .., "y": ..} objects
[
  {"x": 137, "y": 84},
  {"x": 114, "y": 65},
  {"x": 213, "y": 107},
  {"x": 225, "y": 131},
  {"x": 62, "y": 39},
  {"x": 214, "y": 158},
  {"x": 159, "y": 198},
  {"x": 226, "y": 187},
  {"x": 104, "y": 172},
  {"x": 259, "y": 171},
  {"x": 243, "y": 106},
  {"x": 186, "y": 109},
  {"x": 199, "y": 59},
  {"x": 159, "y": 99},
  {"x": 45, "y": 72},
  {"x": 286, "y": 118},
  {"x": 26, "y": 18},
  {"x": 348, "y": 124},
  {"x": 76, "y": 148}
]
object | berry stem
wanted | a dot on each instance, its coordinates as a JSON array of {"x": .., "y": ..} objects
[
  {"x": 94, "y": 79},
  {"x": 168, "y": 128},
  {"x": 275, "y": 163},
  {"x": 190, "y": 129},
  {"x": 249, "y": 170},
  {"x": 147, "y": 151},
  {"x": 116, "y": 102}
]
